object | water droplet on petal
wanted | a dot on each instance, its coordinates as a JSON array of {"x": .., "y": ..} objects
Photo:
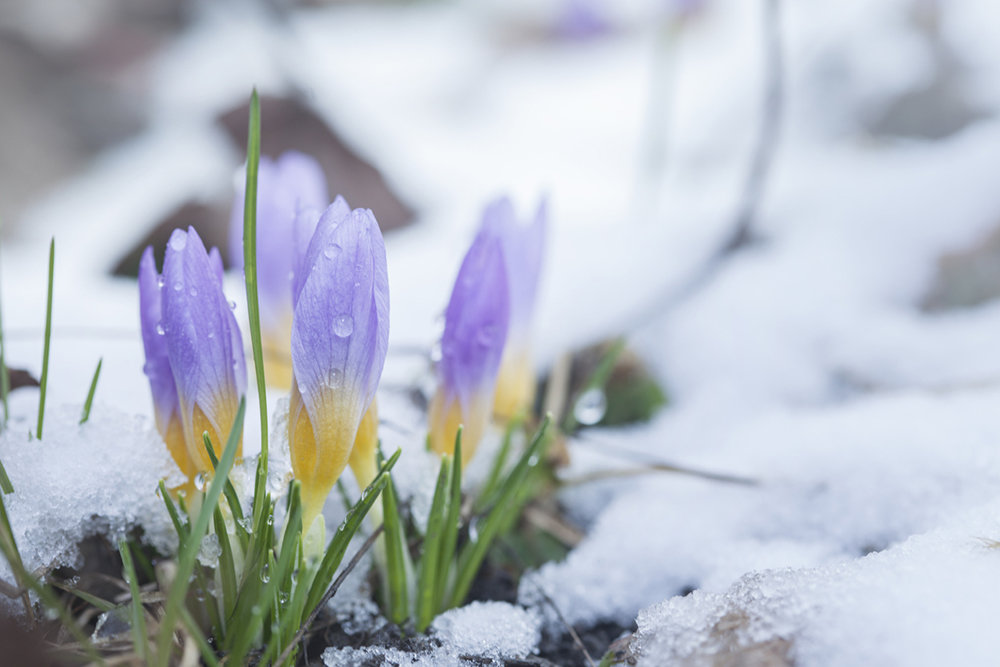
[
  {"x": 199, "y": 481},
  {"x": 590, "y": 407},
  {"x": 211, "y": 334},
  {"x": 160, "y": 331},
  {"x": 343, "y": 326},
  {"x": 160, "y": 280},
  {"x": 193, "y": 291},
  {"x": 232, "y": 305},
  {"x": 178, "y": 242},
  {"x": 331, "y": 251},
  {"x": 178, "y": 286},
  {"x": 486, "y": 335},
  {"x": 335, "y": 379}
]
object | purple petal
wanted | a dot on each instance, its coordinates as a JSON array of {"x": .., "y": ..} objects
[
  {"x": 293, "y": 183},
  {"x": 476, "y": 322},
  {"x": 340, "y": 329},
  {"x": 203, "y": 342},
  {"x": 157, "y": 366},
  {"x": 306, "y": 223},
  {"x": 524, "y": 248}
]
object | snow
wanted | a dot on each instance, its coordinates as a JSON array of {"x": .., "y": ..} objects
[
  {"x": 98, "y": 478},
  {"x": 867, "y": 426}
]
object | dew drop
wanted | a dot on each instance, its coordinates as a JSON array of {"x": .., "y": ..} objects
[
  {"x": 210, "y": 334},
  {"x": 486, "y": 335},
  {"x": 265, "y": 574},
  {"x": 270, "y": 522},
  {"x": 343, "y": 326},
  {"x": 331, "y": 251},
  {"x": 199, "y": 481},
  {"x": 193, "y": 291},
  {"x": 178, "y": 286},
  {"x": 178, "y": 242},
  {"x": 160, "y": 280},
  {"x": 590, "y": 407},
  {"x": 160, "y": 331},
  {"x": 232, "y": 305},
  {"x": 335, "y": 379}
]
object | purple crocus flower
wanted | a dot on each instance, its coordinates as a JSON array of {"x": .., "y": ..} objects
[
  {"x": 523, "y": 249},
  {"x": 475, "y": 329},
  {"x": 194, "y": 351},
  {"x": 291, "y": 194},
  {"x": 340, "y": 333}
]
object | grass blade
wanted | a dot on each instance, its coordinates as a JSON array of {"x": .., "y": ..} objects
[
  {"x": 44, "y": 381},
  {"x": 488, "y": 489},
  {"x": 250, "y": 274},
  {"x": 427, "y": 584},
  {"x": 175, "y": 517},
  {"x": 189, "y": 553},
  {"x": 395, "y": 542},
  {"x": 230, "y": 492},
  {"x": 472, "y": 554},
  {"x": 226, "y": 568},
  {"x": 450, "y": 537},
  {"x": 140, "y": 639},
  {"x": 5, "y": 484},
  {"x": 90, "y": 394}
]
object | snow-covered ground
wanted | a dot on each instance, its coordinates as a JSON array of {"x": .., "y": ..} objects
[{"x": 806, "y": 363}]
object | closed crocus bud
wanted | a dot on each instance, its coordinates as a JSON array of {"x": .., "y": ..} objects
[
  {"x": 340, "y": 333},
  {"x": 194, "y": 352},
  {"x": 523, "y": 249},
  {"x": 475, "y": 328},
  {"x": 291, "y": 194}
]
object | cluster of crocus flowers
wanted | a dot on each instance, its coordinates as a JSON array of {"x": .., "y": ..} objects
[
  {"x": 194, "y": 352},
  {"x": 340, "y": 334},
  {"x": 291, "y": 195}
]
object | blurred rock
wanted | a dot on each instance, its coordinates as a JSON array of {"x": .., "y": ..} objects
[{"x": 967, "y": 277}]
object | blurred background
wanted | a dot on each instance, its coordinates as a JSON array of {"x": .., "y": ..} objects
[{"x": 844, "y": 151}]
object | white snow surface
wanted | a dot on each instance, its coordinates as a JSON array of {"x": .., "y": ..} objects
[{"x": 868, "y": 427}]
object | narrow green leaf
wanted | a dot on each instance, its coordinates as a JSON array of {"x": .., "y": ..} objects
[
  {"x": 140, "y": 640},
  {"x": 487, "y": 491},
  {"x": 253, "y": 303},
  {"x": 44, "y": 381},
  {"x": 186, "y": 561},
  {"x": 395, "y": 544},
  {"x": 175, "y": 517},
  {"x": 5, "y": 484},
  {"x": 226, "y": 568},
  {"x": 90, "y": 393},
  {"x": 230, "y": 492},
  {"x": 431, "y": 550},
  {"x": 450, "y": 537},
  {"x": 472, "y": 554}
]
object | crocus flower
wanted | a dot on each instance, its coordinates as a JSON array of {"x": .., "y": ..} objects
[
  {"x": 340, "y": 333},
  {"x": 523, "y": 248},
  {"x": 194, "y": 352},
  {"x": 291, "y": 194},
  {"x": 475, "y": 328}
]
